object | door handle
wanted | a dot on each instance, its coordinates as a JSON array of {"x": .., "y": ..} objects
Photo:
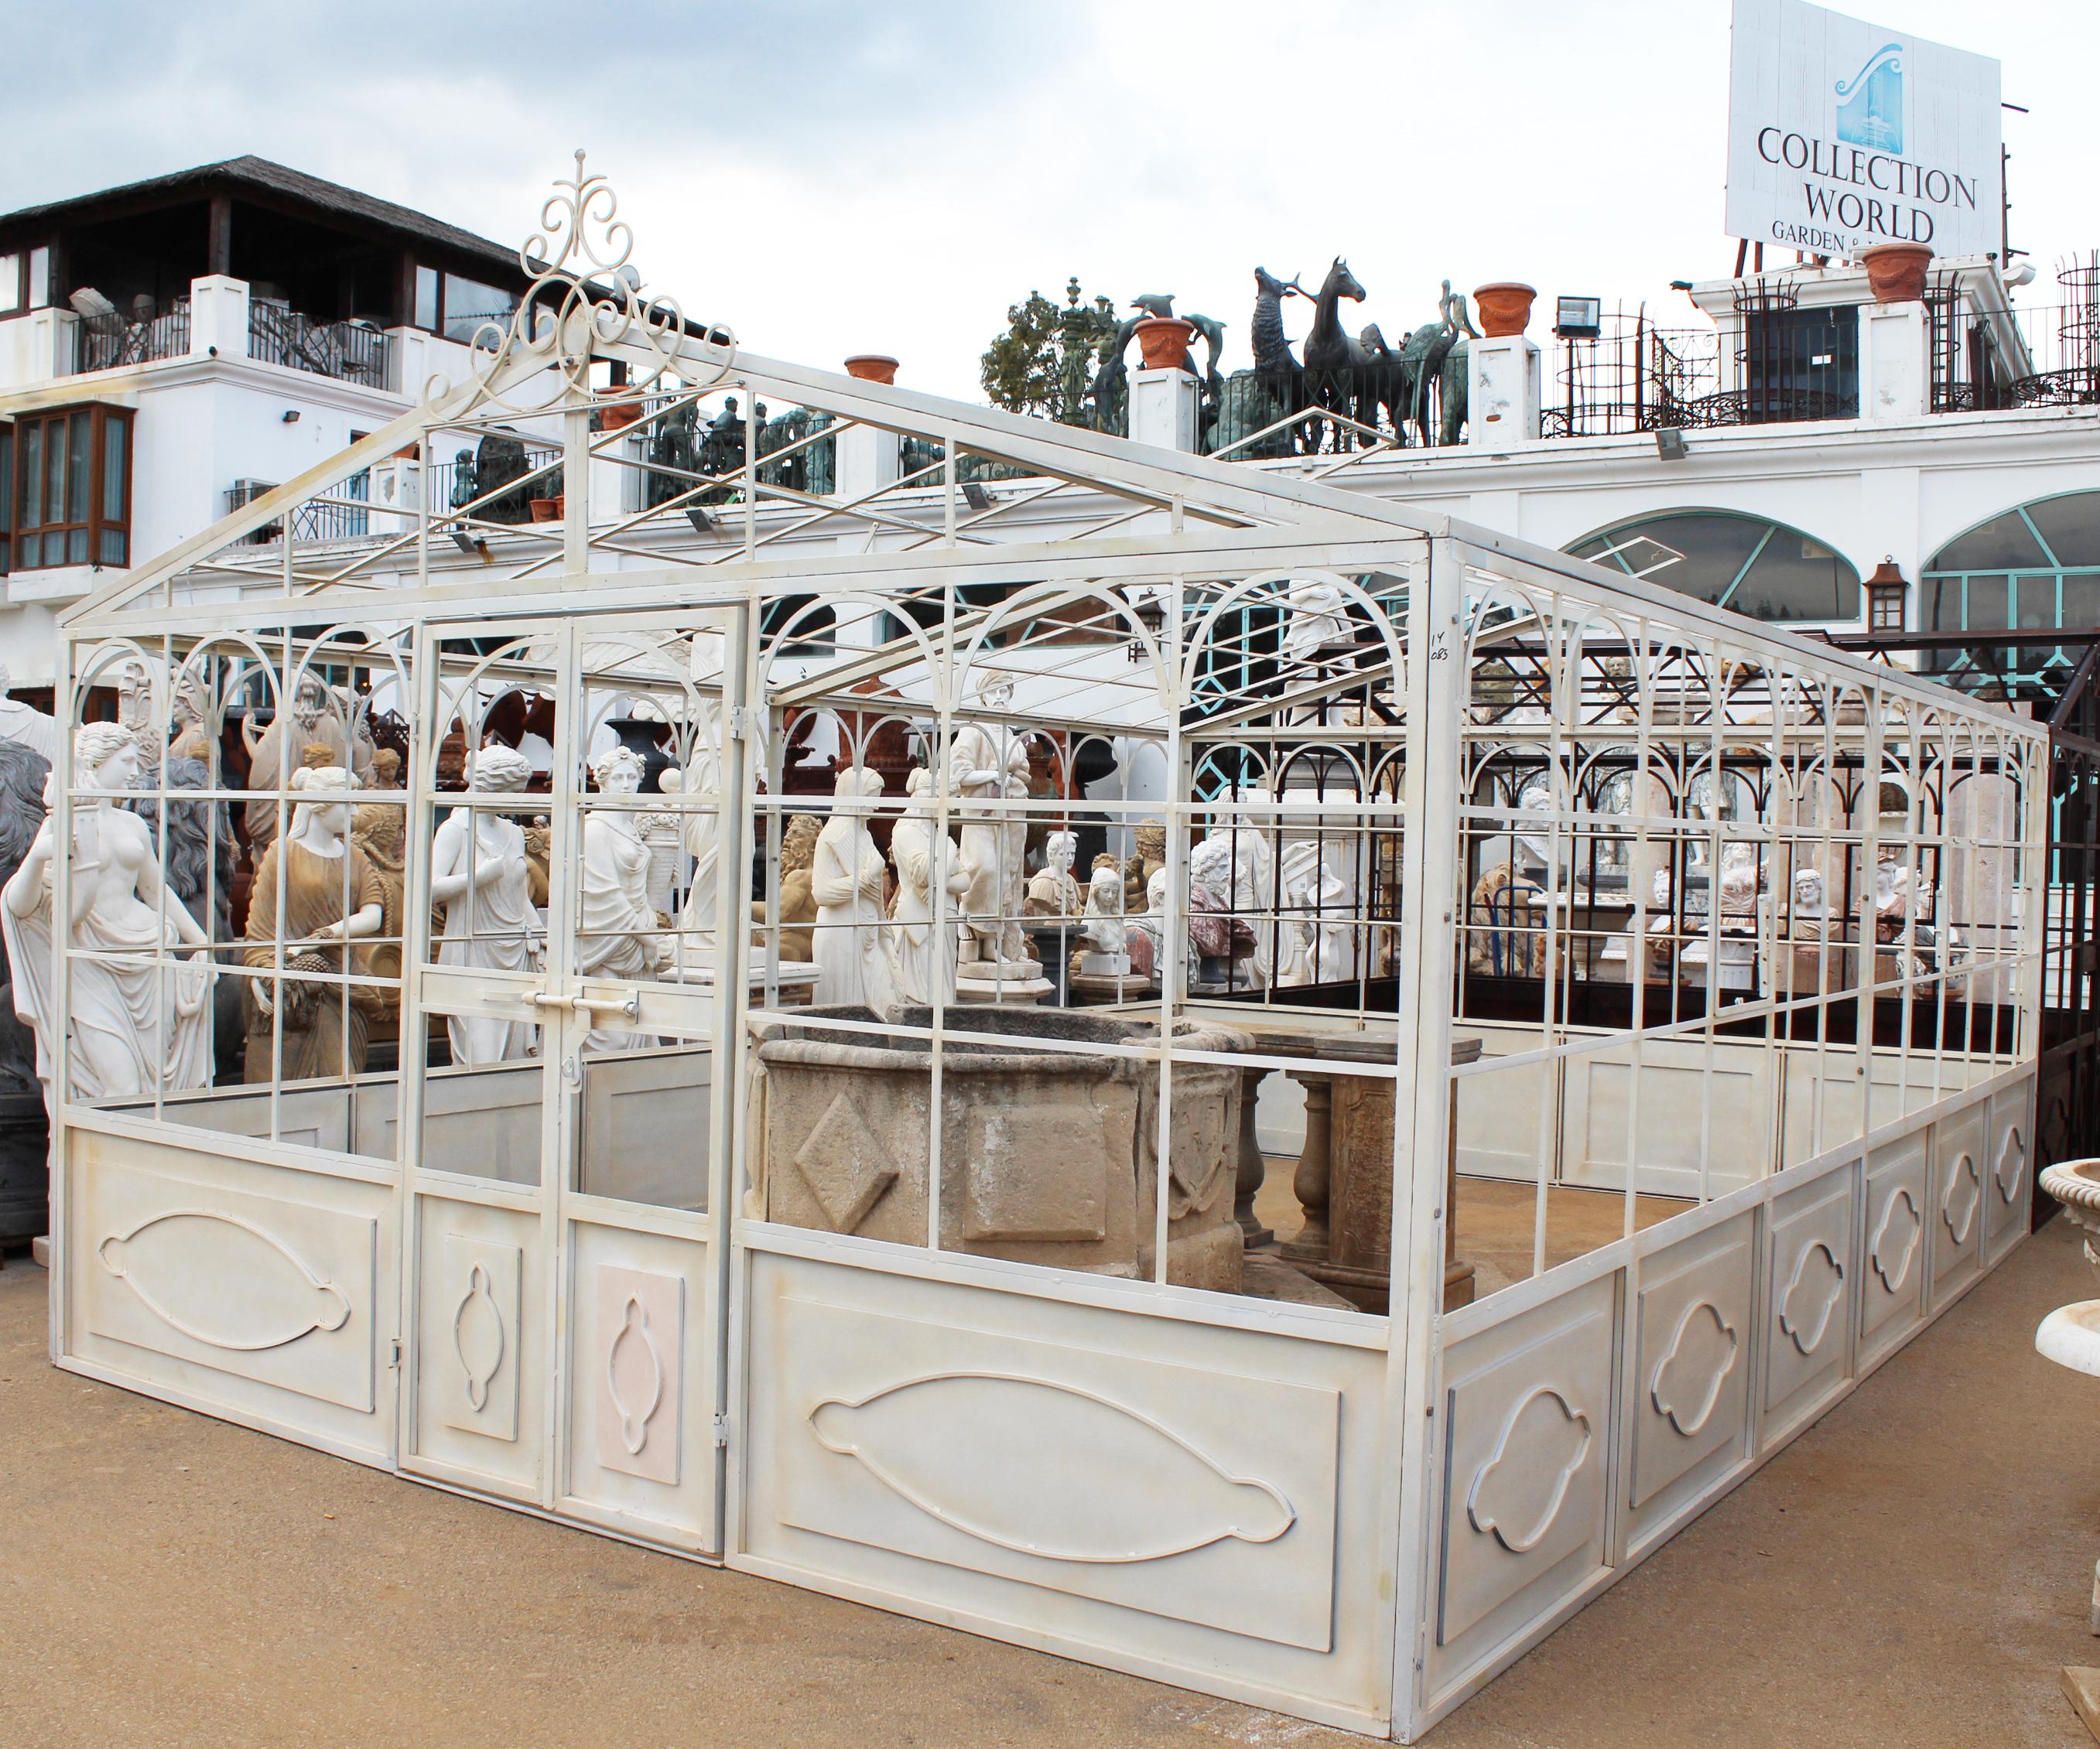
[{"x": 630, "y": 1006}]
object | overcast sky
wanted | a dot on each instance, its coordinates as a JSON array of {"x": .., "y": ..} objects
[{"x": 832, "y": 176}]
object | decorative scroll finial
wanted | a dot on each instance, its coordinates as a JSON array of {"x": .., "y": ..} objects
[{"x": 583, "y": 294}]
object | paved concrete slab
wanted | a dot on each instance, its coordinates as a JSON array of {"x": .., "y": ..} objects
[{"x": 1913, "y": 1572}]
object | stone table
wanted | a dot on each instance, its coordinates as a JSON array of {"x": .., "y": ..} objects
[{"x": 1344, "y": 1177}]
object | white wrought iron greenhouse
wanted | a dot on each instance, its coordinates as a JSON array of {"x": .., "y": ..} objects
[{"x": 1649, "y": 996}]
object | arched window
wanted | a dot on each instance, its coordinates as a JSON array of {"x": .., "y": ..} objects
[
  {"x": 1758, "y": 567},
  {"x": 2037, "y": 564}
]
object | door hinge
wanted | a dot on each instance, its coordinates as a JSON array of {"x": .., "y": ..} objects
[
  {"x": 396, "y": 1346},
  {"x": 721, "y": 1429},
  {"x": 744, "y": 723}
]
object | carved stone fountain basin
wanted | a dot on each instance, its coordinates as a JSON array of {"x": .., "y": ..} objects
[
  {"x": 2070, "y": 1335},
  {"x": 1048, "y": 1156}
]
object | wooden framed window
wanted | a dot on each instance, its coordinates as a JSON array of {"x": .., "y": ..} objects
[
  {"x": 72, "y": 475},
  {"x": 26, "y": 279}
]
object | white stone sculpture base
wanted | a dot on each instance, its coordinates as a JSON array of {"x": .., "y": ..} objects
[
  {"x": 2070, "y": 1335},
  {"x": 797, "y": 978},
  {"x": 1015, "y": 987},
  {"x": 1105, "y": 965}
]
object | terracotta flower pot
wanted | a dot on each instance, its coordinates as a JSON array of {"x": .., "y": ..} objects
[
  {"x": 545, "y": 509},
  {"x": 622, "y": 407},
  {"x": 1895, "y": 271},
  {"x": 1505, "y": 307},
  {"x": 873, "y": 366},
  {"x": 1163, "y": 342}
]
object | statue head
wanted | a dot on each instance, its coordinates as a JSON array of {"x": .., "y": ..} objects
[
  {"x": 187, "y": 707},
  {"x": 1152, "y": 841},
  {"x": 500, "y": 768},
  {"x": 850, "y": 791},
  {"x": 994, "y": 691},
  {"x": 309, "y": 701},
  {"x": 1104, "y": 891},
  {"x": 331, "y": 815},
  {"x": 919, "y": 783},
  {"x": 1061, "y": 850},
  {"x": 618, "y": 771},
  {"x": 1155, "y": 893},
  {"x": 1211, "y": 862},
  {"x": 385, "y": 769},
  {"x": 105, "y": 757},
  {"x": 1266, "y": 284},
  {"x": 1808, "y": 890},
  {"x": 798, "y": 844},
  {"x": 1345, "y": 282}
]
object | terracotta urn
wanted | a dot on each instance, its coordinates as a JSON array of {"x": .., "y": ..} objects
[
  {"x": 1895, "y": 271},
  {"x": 873, "y": 366},
  {"x": 623, "y": 407},
  {"x": 1163, "y": 342},
  {"x": 1505, "y": 307},
  {"x": 545, "y": 509}
]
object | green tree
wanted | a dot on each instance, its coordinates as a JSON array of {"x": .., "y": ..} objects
[{"x": 1044, "y": 361}]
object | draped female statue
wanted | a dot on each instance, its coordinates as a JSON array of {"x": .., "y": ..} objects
[
  {"x": 482, "y": 880},
  {"x": 331, "y": 896},
  {"x": 137, "y": 1018}
]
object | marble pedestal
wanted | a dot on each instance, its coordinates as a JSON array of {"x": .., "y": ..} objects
[
  {"x": 1008, "y": 991},
  {"x": 794, "y": 979},
  {"x": 1344, "y": 1177}
]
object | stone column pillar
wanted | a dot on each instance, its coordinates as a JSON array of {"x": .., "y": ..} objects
[
  {"x": 1253, "y": 1166},
  {"x": 1501, "y": 392},
  {"x": 868, "y": 461},
  {"x": 1895, "y": 361},
  {"x": 219, "y": 317},
  {"x": 1315, "y": 1169},
  {"x": 1163, "y": 409}
]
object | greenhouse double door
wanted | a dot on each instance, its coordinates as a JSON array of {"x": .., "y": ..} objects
[{"x": 562, "y": 1263}]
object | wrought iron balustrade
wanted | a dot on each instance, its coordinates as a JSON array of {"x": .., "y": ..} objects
[
  {"x": 348, "y": 351},
  {"x": 109, "y": 341}
]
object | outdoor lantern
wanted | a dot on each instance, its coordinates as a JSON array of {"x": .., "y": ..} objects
[
  {"x": 1578, "y": 318},
  {"x": 1151, "y": 612},
  {"x": 1886, "y": 590}
]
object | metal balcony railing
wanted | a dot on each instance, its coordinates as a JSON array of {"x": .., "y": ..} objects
[
  {"x": 348, "y": 351},
  {"x": 105, "y": 342}
]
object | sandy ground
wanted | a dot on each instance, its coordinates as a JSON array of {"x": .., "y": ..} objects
[{"x": 1911, "y": 1572}]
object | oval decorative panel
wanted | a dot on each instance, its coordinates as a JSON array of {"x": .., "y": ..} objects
[
  {"x": 1046, "y": 1470},
  {"x": 222, "y": 1281}
]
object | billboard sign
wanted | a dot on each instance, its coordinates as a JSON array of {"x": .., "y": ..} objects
[{"x": 1844, "y": 135}]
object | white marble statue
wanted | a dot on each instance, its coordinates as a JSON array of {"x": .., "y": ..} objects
[
  {"x": 134, "y": 703},
  {"x": 313, "y": 720},
  {"x": 1315, "y": 938},
  {"x": 1235, "y": 856},
  {"x": 987, "y": 761},
  {"x": 1105, "y": 934},
  {"x": 700, "y": 777},
  {"x": 1319, "y": 617},
  {"x": 923, "y": 955},
  {"x": 1811, "y": 905},
  {"x": 1740, "y": 879},
  {"x": 1535, "y": 847},
  {"x": 847, "y": 880},
  {"x": 1053, "y": 890},
  {"x": 482, "y": 880},
  {"x": 1146, "y": 942},
  {"x": 138, "y": 1020},
  {"x": 619, "y": 936},
  {"x": 26, "y": 723}
]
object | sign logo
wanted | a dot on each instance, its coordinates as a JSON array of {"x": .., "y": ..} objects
[{"x": 1870, "y": 102}]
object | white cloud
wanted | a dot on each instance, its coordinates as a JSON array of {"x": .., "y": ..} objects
[{"x": 832, "y": 177}]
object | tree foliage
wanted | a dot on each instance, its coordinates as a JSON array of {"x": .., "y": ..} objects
[{"x": 1044, "y": 361}]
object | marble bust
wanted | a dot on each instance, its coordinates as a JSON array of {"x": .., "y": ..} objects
[
  {"x": 1105, "y": 934},
  {"x": 1053, "y": 890},
  {"x": 131, "y": 1031}
]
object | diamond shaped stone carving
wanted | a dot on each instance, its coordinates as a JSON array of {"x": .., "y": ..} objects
[{"x": 845, "y": 1165}]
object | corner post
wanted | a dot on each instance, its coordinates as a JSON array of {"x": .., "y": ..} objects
[{"x": 1436, "y": 693}]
